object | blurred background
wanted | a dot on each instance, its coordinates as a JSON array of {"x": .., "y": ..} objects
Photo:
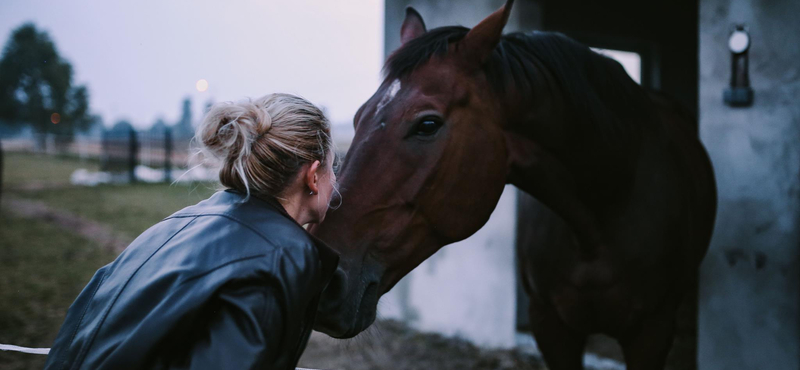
[{"x": 99, "y": 100}]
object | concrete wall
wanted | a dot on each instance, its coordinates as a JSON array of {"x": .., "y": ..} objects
[
  {"x": 749, "y": 299},
  {"x": 467, "y": 289}
]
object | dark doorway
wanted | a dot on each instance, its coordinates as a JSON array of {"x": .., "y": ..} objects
[{"x": 664, "y": 33}]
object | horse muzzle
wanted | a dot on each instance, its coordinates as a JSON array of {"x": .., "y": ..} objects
[{"x": 342, "y": 312}]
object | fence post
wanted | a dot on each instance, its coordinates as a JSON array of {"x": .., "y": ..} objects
[
  {"x": 167, "y": 154},
  {"x": 104, "y": 150},
  {"x": 133, "y": 149},
  {"x": 1, "y": 169}
]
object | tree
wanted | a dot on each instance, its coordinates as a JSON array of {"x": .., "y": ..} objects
[
  {"x": 184, "y": 128},
  {"x": 36, "y": 86},
  {"x": 207, "y": 108},
  {"x": 158, "y": 127},
  {"x": 94, "y": 126},
  {"x": 122, "y": 128}
]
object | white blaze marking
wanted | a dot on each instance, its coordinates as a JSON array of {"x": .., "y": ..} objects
[{"x": 394, "y": 88}]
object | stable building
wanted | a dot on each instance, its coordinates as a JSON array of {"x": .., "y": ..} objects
[{"x": 744, "y": 313}]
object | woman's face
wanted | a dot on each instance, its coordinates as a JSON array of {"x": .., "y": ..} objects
[{"x": 326, "y": 186}]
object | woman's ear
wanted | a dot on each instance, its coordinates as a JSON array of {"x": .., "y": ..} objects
[{"x": 311, "y": 177}]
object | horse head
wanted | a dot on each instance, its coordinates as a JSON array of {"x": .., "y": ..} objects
[{"x": 426, "y": 168}]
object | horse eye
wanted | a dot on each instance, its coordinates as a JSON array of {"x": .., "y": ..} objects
[{"x": 428, "y": 126}]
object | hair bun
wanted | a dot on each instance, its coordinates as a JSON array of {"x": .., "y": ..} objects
[
  {"x": 234, "y": 134},
  {"x": 260, "y": 118},
  {"x": 229, "y": 129}
]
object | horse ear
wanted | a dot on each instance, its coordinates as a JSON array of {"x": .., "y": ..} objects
[
  {"x": 413, "y": 26},
  {"x": 481, "y": 40}
]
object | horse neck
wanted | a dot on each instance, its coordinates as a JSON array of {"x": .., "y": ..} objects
[{"x": 556, "y": 162}]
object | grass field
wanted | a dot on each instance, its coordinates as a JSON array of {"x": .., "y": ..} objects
[
  {"x": 43, "y": 270},
  {"x": 43, "y": 267},
  {"x": 128, "y": 209},
  {"x": 22, "y": 169}
]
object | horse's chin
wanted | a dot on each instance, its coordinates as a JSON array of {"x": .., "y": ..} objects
[
  {"x": 358, "y": 325},
  {"x": 338, "y": 325},
  {"x": 331, "y": 329},
  {"x": 361, "y": 324}
]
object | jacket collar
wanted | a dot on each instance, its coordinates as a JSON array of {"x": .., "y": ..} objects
[{"x": 329, "y": 258}]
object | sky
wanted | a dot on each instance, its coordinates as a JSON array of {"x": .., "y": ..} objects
[{"x": 139, "y": 59}]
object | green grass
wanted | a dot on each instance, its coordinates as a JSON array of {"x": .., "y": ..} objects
[
  {"x": 128, "y": 209},
  {"x": 42, "y": 270},
  {"x": 42, "y": 266},
  {"x": 21, "y": 169}
]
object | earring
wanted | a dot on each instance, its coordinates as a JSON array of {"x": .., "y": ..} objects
[{"x": 311, "y": 193}]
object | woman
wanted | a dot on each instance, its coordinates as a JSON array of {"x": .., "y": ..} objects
[{"x": 232, "y": 282}]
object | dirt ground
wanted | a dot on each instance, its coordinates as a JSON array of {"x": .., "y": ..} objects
[
  {"x": 94, "y": 231},
  {"x": 392, "y": 345}
]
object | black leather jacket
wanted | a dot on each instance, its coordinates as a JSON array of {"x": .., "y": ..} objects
[{"x": 223, "y": 284}]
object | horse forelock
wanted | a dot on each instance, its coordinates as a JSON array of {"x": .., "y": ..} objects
[{"x": 418, "y": 51}]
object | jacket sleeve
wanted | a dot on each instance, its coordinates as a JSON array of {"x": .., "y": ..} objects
[{"x": 246, "y": 332}]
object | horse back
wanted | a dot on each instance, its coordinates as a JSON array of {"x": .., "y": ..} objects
[{"x": 681, "y": 127}]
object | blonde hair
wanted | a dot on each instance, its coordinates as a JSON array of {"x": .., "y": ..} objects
[{"x": 262, "y": 144}]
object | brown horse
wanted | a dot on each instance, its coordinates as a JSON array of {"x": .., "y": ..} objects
[{"x": 626, "y": 189}]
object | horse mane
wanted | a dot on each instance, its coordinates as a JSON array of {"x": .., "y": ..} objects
[{"x": 605, "y": 106}]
